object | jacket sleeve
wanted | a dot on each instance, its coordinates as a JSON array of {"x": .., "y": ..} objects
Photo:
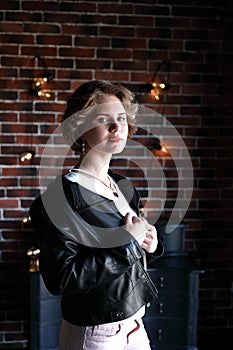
[{"x": 157, "y": 254}]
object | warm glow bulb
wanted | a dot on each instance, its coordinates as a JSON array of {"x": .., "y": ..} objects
[
  {"x": 33, "y": 251},
  {"x": 46, "y": 94},
  {"x": 38, "y": 82},
  {"x": 26, "y": 219},
  {"x": 26, "y": 156}
]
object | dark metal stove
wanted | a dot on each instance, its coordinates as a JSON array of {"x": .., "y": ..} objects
[
  {"x": 45, "y": 310},
  {"x": 171, "y": 320}
]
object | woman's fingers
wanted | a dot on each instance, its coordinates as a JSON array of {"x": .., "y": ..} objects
[
  {"x": 136, "y": 226},
  {"x": 151, "y": 241}
]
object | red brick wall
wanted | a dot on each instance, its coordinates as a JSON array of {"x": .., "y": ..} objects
[{"x": 122, "y": 41}]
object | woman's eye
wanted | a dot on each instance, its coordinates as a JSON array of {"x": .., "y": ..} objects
[
  {"x": 121, "y": 119},
  {"x": 102, "y": 120}
]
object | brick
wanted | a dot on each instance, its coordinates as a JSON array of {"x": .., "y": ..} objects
[
  {"x": 124, "y": 65},
  {"x": 118, "y": 31},
  {"x": 37, "y": 117},
  {"x": 77, "y": 7},
  {"x": 23, "y": 128},
  {"x": 9, "y": 160},
  {"x": 113, "y": 54},
  {"x": 112, "y": 76},
  {"x": 128, "y": 43},
  {"x": 98, "y": 18},
  {"x": 58, "y": 17},
  {"x": 93, "y": 64},
  {"x": 26, "y": 171},
  {"x": 6, "y": 106},
  {"x": 53, "y": 40},
  {"x": 16, "y": 39},
  {"x": 6, "y": 5},
  {"x": 34, "y": 6},
  {"x": 8, "y": 182},
  {"x": 11, "y": 27},
  {"x": 77, "y": 52},
  {"x": 23, "y": 192},
  {"x": 152, "y": 10},
  {"x": 8, "y": 72},
  {"x": 31, "y": 50},
  {"x": 79, "y": 29},
  {"x": 115, "y": 8},
  {"x": 137, "y": 21},
  {"x": 8, "y": 95},
  {"x": 9, "y": 203},
  {"x": 19, "y": 16},
  {"x": 86, "y": 41},
  {"x": 47, "y": 106}
]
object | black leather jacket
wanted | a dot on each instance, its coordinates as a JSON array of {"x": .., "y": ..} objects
[{"x": 101, "y": 280}]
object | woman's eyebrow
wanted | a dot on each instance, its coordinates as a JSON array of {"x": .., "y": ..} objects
[{"x": 109, "y": 115}]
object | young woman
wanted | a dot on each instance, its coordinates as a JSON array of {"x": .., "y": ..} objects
[{"x": 94, "y": 243}]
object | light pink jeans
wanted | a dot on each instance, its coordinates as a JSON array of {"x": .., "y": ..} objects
[{"x": 125, "y": 335}]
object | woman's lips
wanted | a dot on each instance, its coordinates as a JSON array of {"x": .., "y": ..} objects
[{"x": 115, "y": 139}]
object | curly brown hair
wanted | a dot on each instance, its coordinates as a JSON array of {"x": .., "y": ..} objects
[{"x": 85, "y": 97}]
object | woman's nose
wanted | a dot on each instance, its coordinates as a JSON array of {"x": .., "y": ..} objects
[{"x": 114, "y": 126}]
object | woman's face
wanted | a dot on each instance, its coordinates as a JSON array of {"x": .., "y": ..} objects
[{"x": 108, "y": 126}]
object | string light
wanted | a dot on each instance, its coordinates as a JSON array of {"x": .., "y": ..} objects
[
  {"x": 157, "y": 88},
  {"x": 159, "y": 81},
  {"x": 26, "y": 219},
  {"x": 159, "y": 148},
  {"x": 26, "y": 156},
  {"x": 39, "y": 84}
]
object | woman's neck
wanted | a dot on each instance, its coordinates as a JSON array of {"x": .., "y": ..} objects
[{"x": 95, "y": 164}]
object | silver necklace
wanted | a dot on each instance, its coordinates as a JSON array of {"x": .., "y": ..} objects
[{"x": 111, "y": 185}]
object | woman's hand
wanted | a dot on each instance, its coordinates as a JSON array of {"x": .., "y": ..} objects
[
  {"x": 142, "y": 231},
  {"x": 151, "y": 241},
  {"x": 136, "y": 226}
]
